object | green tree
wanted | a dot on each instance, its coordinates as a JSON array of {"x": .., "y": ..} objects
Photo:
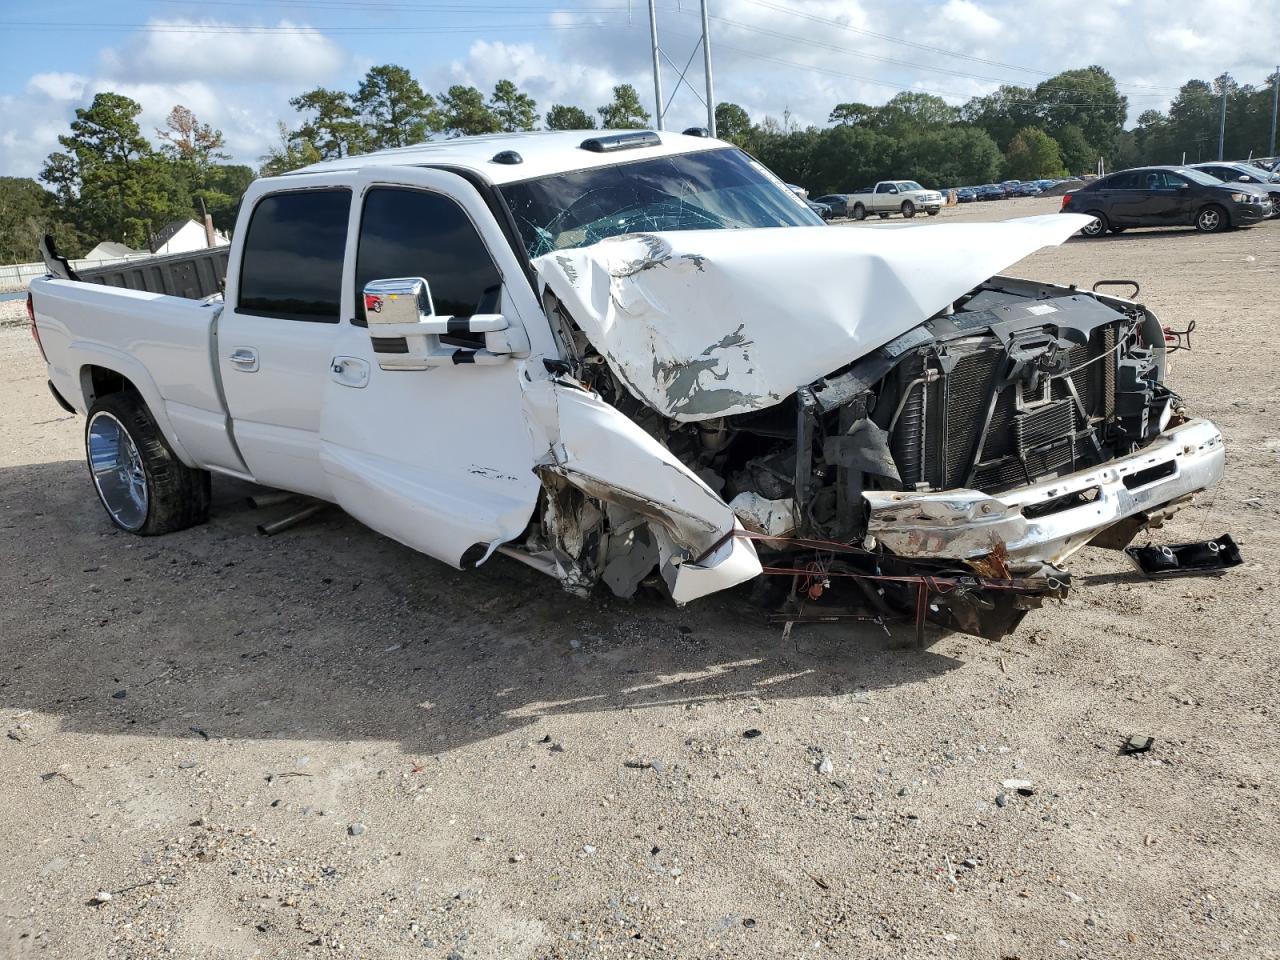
[
  {"x": 114, "y": 185},
  {"x": 224, "y": 185},
  {"x": 292, "y": 152},
  {"x": 187, "y": 140},
  {"x": 851, "y": 114},
  {"x": 909, "y": 112},
  {"x": 332, "y": 127},
  {"x": 624, "y": 111},
  {"x": 1077, "y": 156},
  {"x": 733, "y": 124},
  {"x": 1032, "y": 155},
  {"x": 464, "y": 112},
  {"x": 27, "y": 213},
  {"x": 1087, "y": 99},
  {"x": 950, "y": 156},
  {"x": 396, "y": 111},
  {"x": 561, "y": 117},
  {"x": 1002, "y": 113},
  {"x": 514, "y": 109}
]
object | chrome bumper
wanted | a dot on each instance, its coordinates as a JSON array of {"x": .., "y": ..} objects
[{"x": 967, "y": 524}]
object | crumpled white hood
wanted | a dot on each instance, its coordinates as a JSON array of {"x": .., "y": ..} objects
[{"x": 703, "y": 324}]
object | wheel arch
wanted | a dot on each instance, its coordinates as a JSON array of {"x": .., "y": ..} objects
[{"x": 102, "y": 376}]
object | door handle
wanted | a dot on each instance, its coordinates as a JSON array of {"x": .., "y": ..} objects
[
  {"x": 350, "y": 371},
  {"x": 244, "y": 358}
]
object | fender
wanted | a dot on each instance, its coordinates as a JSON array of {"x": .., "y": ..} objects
[{"x": 88, "y": 353}]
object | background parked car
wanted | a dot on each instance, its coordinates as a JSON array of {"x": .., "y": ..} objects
[
  {"x": 1246, "y": 173},
  {"x": 992, "y": 191},
  {"x": 966, "y": 195},
  {"x": 1166, "y": 197},
  {"x": 838, "y": 202}
]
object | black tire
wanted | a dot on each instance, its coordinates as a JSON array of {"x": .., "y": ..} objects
[
  {"x": 1098, "y": 226},
  {"x": 177, "y": 496},
  {"x": 1211, "y": 218},
  {"x": 908, "y": 209},
  {"x": 859, "y": 212},
  {"x": 932, "y": 213},
  {"x": 1117, "y": 229},
  {"x": 884, "y": 216}
]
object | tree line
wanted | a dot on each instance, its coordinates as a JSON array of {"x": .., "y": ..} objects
[{"x": 110, "y": 181}]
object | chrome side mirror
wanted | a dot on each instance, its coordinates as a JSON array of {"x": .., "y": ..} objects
[
  {"x": 402, "y": 307},
  {"x": 399, "y": 300}
]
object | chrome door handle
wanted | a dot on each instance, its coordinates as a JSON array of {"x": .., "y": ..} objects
[{"x": 244, "y": 358}]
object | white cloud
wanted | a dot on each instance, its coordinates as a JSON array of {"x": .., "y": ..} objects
[
  {"x": 183, "y": 50},
  {"x": 58, "y": 86},
  {"x": 970, "y": 20}
]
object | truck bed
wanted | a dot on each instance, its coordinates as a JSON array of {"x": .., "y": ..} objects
[{"x": 192, "y": 276}]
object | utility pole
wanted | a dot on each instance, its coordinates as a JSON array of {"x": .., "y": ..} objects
[
  {"x": 657, "y": 71},
  {"x": 1222, "y": 125},
  {"x": 711, "y": 97},
  {"x": 1275, "y": 107}
]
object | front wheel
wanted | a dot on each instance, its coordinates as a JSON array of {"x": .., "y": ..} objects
[
  {"x": 1097, "y": 226},
  {"x": 1211, "y": 219},
  {"x": 144, "y": 488},
  {"x": 859, "y": 212},
  {"x": 908, "y": 209}
]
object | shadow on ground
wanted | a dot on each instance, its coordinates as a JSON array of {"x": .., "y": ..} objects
[{"x": 333, "y": 632}]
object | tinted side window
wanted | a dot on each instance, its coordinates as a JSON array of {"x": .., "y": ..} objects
[
  {"x": 293, "y": 250},
  {"x": 415, "y": 233},
  {"x": 1121, "y": 181},
  {"x": 883, "y": 187}
]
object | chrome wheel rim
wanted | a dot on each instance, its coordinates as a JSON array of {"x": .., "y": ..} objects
[
  {"x": 1209, "y": 220},
  {"x": 117, "y": 471},
  {"x": 1092, "y": 228}
]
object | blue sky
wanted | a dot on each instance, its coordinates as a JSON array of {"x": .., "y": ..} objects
[{"x": 237, "y": 62}]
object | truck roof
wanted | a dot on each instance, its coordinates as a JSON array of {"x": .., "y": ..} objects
[{"x": 542, "y": 153}]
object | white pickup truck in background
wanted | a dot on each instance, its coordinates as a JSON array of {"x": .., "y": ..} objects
[
  {"x": 605, "y": 354},
  {"x": 894, "y": 196}
]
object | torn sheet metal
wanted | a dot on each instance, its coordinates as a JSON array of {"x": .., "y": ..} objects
[
  {"x": 604, "y": 454},
  {"x": 702, "y": 324}
]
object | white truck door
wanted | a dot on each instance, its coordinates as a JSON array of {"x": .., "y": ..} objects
[
  {"x": 276, "y": 336},
  {"x": 423, "y": 437}
]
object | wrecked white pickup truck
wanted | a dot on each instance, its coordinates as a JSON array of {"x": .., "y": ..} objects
[{"x": 605, "y": 354}]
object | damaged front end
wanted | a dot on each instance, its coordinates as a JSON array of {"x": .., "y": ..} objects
[{"x": 984, "y": 431}]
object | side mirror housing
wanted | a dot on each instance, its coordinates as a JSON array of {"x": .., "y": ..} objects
[
  {"x": 402, "y": 307},
  {"x": 399, "y": 300}
]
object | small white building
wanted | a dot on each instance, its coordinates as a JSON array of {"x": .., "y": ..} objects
[
  {"x": 184, "y": 236},
  {"x": 110, "y": 250}
]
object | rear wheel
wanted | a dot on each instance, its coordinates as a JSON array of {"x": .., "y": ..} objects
[
  {"x": 908, "y": 209},
  {"x": 1097, "y": 226},
  {"x": 1211, "y": 219},
  {"x": 144, "y": 488},
  {"x": 859, "y": 212}
]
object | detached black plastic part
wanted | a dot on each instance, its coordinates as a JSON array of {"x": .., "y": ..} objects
[
  {"x": 508, "y": 157},
  {"x": 621, "y": 141},
  {"x": 1186, "y": 559}
]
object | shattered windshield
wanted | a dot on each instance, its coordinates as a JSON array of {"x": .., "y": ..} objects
[{"x": 719, "y": 189}]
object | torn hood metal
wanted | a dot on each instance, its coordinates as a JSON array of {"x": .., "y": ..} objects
[{"x": 707, "y": 323}]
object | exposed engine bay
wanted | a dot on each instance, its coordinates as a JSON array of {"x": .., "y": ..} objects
[{"x": 945, "y": 475}]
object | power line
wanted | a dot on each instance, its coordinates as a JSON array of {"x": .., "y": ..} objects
[
  {"x": 917, "y": 45},
  {"x": 809, "y": 41},
  {"x": 219, "y": 28}
]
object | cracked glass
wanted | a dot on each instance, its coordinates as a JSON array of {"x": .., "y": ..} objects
[{"x": 719, "y": 189}]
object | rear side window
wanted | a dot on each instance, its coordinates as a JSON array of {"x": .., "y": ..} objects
[
  {"x": 1121, "y": 181},
  {"x": 416, "y": 233},
  {"x": 293, "y": 251}
]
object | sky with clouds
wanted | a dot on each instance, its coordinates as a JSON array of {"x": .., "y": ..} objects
[{"x": 236, "y": 63}]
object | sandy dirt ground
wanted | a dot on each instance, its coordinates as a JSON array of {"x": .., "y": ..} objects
[{"x": 324, "y": 743}]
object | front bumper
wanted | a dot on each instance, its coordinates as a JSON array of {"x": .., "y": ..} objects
[
  {"x": 1247, "y": 214},
  {"x": 969, "y": 524}
]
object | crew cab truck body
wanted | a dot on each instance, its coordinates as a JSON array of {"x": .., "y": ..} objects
[
  {"x": 894, "y": 196},
  {"x": 610, "y": 355}
]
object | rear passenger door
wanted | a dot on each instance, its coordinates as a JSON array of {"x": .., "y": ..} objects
[
  {"x": 1124, "y": 199},
  {"x": 276, "y": 334}
]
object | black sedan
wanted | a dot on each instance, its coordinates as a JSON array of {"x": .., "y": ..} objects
[
  {"x": 838, "y": 202},
  {"x": 1246, "y": 173},
  {"x": 1166, "y": 197}
]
